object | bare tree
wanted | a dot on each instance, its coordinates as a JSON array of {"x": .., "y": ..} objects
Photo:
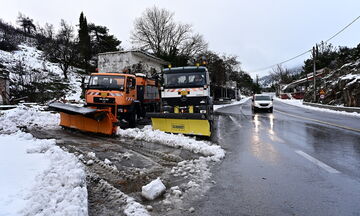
[
  {"x": 63, "y": 51},
  {"x": 280, "y": 75},
  {"x": 157, "y": 32}
]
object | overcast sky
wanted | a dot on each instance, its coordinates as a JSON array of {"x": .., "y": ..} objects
[{"x": 259, "y": 32}]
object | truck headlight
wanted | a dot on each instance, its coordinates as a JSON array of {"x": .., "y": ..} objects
[{"x": 167, "y": 109}]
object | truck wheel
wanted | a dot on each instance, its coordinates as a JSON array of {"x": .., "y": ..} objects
[
  {"x": 271, "y": 110},
  {"x": 132, "y": 120}
]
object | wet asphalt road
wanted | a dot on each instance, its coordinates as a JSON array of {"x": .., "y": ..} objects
[{"x": 292, "y": 162}]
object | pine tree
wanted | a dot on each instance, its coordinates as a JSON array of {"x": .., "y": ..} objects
[
  {"x": 101, "y": 40},
  {"x": 84, "y": 42}
]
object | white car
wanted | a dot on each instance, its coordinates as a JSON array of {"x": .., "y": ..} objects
[{"x": 262, "y": 102}]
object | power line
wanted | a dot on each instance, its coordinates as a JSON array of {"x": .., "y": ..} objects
[
  {"x": 342, "y": 29},
  {"x": 271, "y": 66},
  {"x": 303, "y": 53}
]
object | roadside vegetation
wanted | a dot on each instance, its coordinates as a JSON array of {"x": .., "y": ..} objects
[{"x": 74, "y": 49}]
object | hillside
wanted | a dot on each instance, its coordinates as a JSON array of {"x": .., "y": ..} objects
[
  {"x": 37, "y": 79},
  {"x": 342, "y": 86}
]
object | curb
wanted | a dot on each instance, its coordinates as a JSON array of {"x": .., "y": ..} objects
[{"x": 346, "y": 109}]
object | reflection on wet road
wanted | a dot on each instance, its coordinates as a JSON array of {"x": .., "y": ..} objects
[
  {"x": 263, "y": 150},
  {"x": 285, "y": 163}
]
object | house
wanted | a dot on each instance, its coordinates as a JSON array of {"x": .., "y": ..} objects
[
  {"x": 4, "y": 86},
  {"x": 297, "y": 88},
  {"x": 133, "y": 61}
]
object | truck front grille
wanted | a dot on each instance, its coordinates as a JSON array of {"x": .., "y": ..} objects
[{"x": 104, "y": 100}]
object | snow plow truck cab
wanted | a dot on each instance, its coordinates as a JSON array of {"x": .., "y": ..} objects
[
  {"x": 110, "y": 99},
  {"x": 186, "y": 103}
]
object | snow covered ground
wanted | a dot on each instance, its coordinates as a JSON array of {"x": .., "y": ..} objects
[
  {"x": 27, "y": 117},
  {"x": 243, "y": 100},
  {"x": 38, "y": 178},
  {"x": 299, "y": 103}
]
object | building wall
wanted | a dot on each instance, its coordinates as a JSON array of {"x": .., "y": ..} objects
[{"x": 117, "y": 62}]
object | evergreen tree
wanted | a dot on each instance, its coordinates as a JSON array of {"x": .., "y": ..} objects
[
  {"x": 326, "y": 57},
  {"x": 84, "y": 42},
  {"x": 101, "y": 40},
  {"x": 26, "y": 23}
]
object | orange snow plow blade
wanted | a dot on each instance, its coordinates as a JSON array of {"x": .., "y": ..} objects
[
  {"x": 86, "y": 119},
  {"x": 83, "y": 123}
]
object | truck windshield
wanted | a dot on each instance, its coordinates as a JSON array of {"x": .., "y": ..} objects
[
  {"x": 262, "y": 97},
  {"x": 107, "y": 82},
  {"x": 184, "y": 79}
]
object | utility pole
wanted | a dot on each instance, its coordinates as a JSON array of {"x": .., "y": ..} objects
[{"x": 315, "y": 50}]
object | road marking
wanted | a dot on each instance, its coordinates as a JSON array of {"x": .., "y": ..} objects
[
  {"x": 317, "y": 162},
  {"x": 319, "y": 121}
]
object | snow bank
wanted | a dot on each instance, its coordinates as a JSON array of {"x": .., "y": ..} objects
[
  {"x": 22, "y": 116},
  {"x": 243, "y": 100},
  {"x": 38, "y": 178},
  {"x": 196, "y": 171},
  {"x": 299, "y": 103},
  {"x": 215, "y": 152}
]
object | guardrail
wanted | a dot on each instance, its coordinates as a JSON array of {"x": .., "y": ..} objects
[
  {"x": 338, "y": 108},
  {"x": 6, "y": 107}
]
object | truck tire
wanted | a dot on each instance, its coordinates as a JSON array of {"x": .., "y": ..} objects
[{"x": 132, "y": 120}]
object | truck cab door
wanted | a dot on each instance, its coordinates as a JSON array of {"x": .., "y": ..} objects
[{"x": 131, "y": 88}]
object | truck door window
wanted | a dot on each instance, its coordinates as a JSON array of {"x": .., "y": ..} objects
[{"x": 130, "y": 83}]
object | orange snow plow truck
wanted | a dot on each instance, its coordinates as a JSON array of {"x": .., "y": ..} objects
[{"x": 111, "y": 99}]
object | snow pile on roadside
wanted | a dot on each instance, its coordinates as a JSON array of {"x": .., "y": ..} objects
[
  {"x": 214, "y": 152},
  {"x": 39, "y": 178},
  {"x": 243, "y": 100},
  {"x": 299, "y": 103},
  {"x": 23, "y": 116},
  {"x": 195, "y": 171}
]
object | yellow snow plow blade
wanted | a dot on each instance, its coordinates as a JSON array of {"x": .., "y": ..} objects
[{"x": 180, "y": 123}]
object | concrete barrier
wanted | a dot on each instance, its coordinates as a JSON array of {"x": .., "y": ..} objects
[{"x": 338, "y": 108}]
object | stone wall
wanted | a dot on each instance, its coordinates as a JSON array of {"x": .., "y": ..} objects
[
  {"x": 342, "y": 87},
  {"x": 4, "y": 87}
]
